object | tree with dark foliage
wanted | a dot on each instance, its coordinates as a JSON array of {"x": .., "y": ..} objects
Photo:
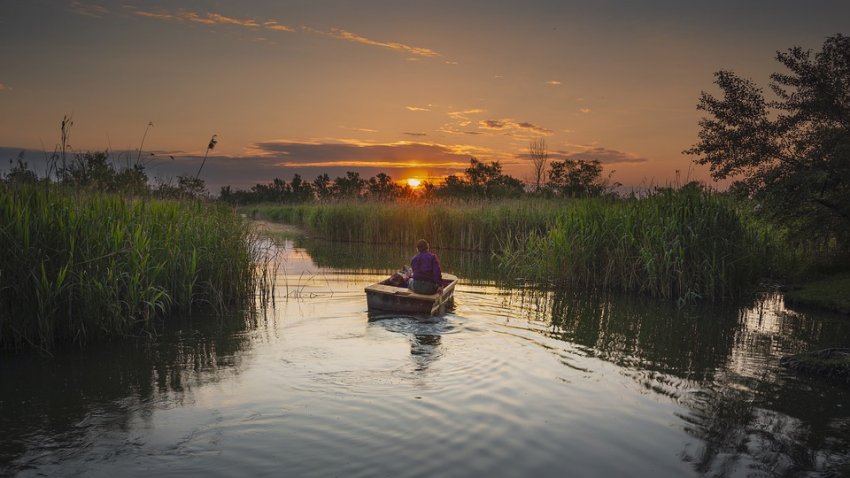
[
  {"x": 790, "y": 152},
  {"x": 576, "y": 178}
]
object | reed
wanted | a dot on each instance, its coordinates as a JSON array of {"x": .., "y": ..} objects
[{"x": 78, "y": 267}]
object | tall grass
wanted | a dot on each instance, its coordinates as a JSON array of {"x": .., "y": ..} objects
[
  {"x": 681, "y": 244},
  {"x": 477, "y": 226},
  {"x": 77, "y": 267},
  {"x": 672, "y": 244}
]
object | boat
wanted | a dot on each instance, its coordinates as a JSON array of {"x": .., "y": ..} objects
[{"x": 382, "y": 296}]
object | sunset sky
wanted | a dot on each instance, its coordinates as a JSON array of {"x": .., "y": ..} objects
[{"x": 410, "y": 88}]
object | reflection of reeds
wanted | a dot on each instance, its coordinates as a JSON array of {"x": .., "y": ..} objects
[{"x": 78, "y": 267}]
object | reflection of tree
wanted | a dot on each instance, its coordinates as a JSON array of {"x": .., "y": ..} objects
[
  {"x": 721, "y": 363},
  {"x": 772, "y": 431},
  {"x": 56, "y": 403}
]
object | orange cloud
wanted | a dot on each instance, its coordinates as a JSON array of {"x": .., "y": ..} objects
[
  {"x": 509, "y": 125},
  {"x": 553, "y": 82},
  {"x": 416, "y": 108},
  {"x": 273, "y": 25},
  {"x": 353, "y": 37},
  {"x": 212, "y": 18}
]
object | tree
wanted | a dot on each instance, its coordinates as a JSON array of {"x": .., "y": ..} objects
[
  {"x": 482, "y": 180},
  {"x": 576, "y": 178},
  {"x": 382, "y": 187},
  {"x": 322, "y": 186},
  {"x": 790, "y": 152},
  {"x": 538, "y": 154},
  {"x": 350, "y": 186},
  {"x": 301, "y": 190}
]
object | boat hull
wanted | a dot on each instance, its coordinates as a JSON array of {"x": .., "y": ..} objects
[{"x": 380, "y": 296}]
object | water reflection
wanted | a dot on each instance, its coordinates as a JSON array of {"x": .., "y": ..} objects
[
  {"x": 473, "y": 267},
  {"x": 718, "y": 363},
  {"x": 53, "y": 408},
  {"x": 749, "y": 417},
  {"x": 424, "y": 332},
  {"x": 514, "y": 382}
]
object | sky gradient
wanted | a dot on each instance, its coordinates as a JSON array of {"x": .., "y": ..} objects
[{"x": 410, "y": 88}]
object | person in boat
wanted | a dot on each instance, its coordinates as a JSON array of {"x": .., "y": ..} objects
[{"x": 427, "y": 276}]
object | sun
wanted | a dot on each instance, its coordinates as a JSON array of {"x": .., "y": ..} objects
[{"x": 413, "y": 182}]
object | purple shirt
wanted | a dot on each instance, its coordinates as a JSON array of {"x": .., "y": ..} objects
[{"x": 426, "y": 267}]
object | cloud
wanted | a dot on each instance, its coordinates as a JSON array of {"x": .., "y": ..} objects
[
  {"x": 362, "y": 130},
  {"x": 416, "y": 108},
  {"x": 553, "y": 83},
  {"x": 89, "y": 9},
  {"x": 409, "y": 133},
  {"x": 212, "y": 18},
  {"x": 351, "y": 153},
  {"x": 510, "y": 126},
  {"x": 597, "y": 153},
  {"x": 353, "y": 37},
  {"x": 5, "y": 88},
  {"x": 273, "y": 25},
  {"x": 584, "y": 110}
]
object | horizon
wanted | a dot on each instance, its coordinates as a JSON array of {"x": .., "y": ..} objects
[{"x": 413, "y": 91}]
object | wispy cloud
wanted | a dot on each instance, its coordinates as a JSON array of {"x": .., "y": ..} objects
[
  {"x": 362, "y": 130},
  {"x": 584, "y": 110},
  {"x": 509, "y": 126},
  {"x": 213, "y": 18},
  {"x": 89, "y": 9},
  {"x": 209, "y": 18},
  {"x": 273, "y": 25},
  {"x": 353, "y": 37},
  {"x": 553, "y": 83},
  {"x": 416, "y": 108},
  {"x": 412, "y": 133},
  {"x": 593, "y": 153}
]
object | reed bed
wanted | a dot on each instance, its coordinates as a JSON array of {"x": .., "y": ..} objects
[
  {"x": 78, "y": 267},
  {"x": 471, "y": 226},
  {"x": 681, "y": 244}
]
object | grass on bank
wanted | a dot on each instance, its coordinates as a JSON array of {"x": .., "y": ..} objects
[
  {"x": 680, "y": 244},
  {"x": 83, "y": 266},
  {"x": 831, "y": 293}
]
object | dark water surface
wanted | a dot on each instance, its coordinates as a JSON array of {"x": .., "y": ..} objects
[{"x": 512, "y": 382}]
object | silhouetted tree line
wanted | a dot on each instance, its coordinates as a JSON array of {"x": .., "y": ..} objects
[
  {"x": 481, "y": 180},
  {"x": 99, "y": 171}
]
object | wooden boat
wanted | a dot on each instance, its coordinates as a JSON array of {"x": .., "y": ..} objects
[{"x": 381, "y": 296}]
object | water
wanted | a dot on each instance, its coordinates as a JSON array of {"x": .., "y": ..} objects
[{"x": 512, "y": 382}]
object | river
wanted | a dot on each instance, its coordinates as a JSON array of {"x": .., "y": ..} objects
[{"x": 512, "y": 382}]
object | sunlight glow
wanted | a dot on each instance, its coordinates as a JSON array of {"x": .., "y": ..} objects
[{"x": 413, "y": 182}]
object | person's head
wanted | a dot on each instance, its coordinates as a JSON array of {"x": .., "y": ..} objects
[{"x": 422, "y": 245}]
